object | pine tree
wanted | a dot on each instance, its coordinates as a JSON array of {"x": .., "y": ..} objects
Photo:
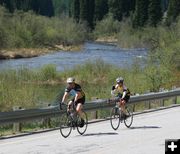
[
  {"x": 128, "y": 6},
  {"x": 84, "y": 10},
  {"x": 141, "y": 13},
  {"x": 100, "y": 9},
  {"x": 164, "y": 5},
  {"x": 76, "y": 9},
  {"x": 91, "y": 4},
  {"x": 116, "y": 8},
  {"x": 173, "y": 10},
  {"x": 46, "y": 8},
  {"x": 10, "y": 5},
  {"x": 154, "y": 12}
]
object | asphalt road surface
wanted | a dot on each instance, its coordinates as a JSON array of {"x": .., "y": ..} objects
[{"x": 146, "y": 136}]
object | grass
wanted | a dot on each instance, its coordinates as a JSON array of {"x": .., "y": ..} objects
[{"x": 36, "y": 88}]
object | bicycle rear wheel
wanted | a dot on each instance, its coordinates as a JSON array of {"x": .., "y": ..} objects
[
  {"x": 65, "y": 125},
  {"x": 129, "y": 119},
  {"x": 115, "y": 118},
  {"x": 82, "y": 123}
]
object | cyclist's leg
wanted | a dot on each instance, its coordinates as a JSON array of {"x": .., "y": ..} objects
[
  {"x": 79, "y": 105},
  {"x": 122, "y": 105},
  {"x": 69, "y": 107}
]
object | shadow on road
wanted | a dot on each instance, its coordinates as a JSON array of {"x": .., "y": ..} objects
[
  {"x": 145, "y": 127},
  {"x": 100, "y": 134}
]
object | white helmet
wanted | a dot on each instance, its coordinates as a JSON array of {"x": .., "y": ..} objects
[
  {"x": 70, "y": 80},
  {"x": 119, "y": 80}
]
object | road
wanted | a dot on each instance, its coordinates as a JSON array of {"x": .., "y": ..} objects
[{"x": 147, "y": 136}]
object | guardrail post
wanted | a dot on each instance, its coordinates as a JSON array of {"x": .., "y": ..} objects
[
  {"x": 174, "y": 100},
  {"x": 134, "y": 107},
  {"x": 94, "y": 114},
  {"x": 149, "y": 105},
  {"x": 47, "y": 121},
  {"x": 162, "y": 102},
  {"x": 17, "y": 127}
]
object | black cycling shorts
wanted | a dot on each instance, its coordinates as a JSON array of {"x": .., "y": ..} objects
[{"x": 80, "y": 100}]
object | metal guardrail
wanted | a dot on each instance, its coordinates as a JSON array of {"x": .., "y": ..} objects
[{"x": 33, "y": 114}]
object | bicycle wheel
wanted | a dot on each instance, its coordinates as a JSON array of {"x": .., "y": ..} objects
[
  {"x": 129, "y": 119},
  {"x": 82, "y": 123},
  {"x": 115, "y": 118},
  {"x": 65, "y": 125}
]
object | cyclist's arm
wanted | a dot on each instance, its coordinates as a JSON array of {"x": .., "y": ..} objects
[
  {"x": 124, "y": 94},
  {"x": 65, "y": 96},
  {"x": 77, "y": 96},
  {"x": 113, "y": 91}
]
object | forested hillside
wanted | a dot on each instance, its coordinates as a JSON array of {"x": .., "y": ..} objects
[{"x": 141, "y": 12}]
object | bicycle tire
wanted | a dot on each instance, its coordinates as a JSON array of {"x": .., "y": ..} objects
[
  {"x": 65, "y": 125},
  {"x": 129, "y": 120},
  {"x": 115, "y": 118},
  {"x": 82, "y": 129}
]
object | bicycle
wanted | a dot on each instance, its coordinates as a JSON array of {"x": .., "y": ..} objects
[
  {"x": 117, "y": 116},
  {"x": 71, "y": 120}
]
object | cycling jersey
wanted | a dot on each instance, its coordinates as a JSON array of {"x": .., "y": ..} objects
[
  {"x": 73, "y": 91},
  {"x": 118, "y": 91}
]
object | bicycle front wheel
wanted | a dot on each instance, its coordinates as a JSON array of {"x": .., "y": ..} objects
[
  {"x": 115, "y": 118},
  {"x": 65, "y": 125},
  {"x": 129, "y": 119},
  {"x": 82, "y": 123}
]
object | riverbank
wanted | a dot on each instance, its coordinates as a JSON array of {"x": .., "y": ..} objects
[
  {"x": 35, "y": 52},
  {"x": 108, "y": 39}
]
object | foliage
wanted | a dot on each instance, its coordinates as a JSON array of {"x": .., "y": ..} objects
[
  {"x": 140, "y": 15},
  {"x": 173, "y": 10},
  {"x": 30, "y": 30},
  {"x": 154, "y": 12},
  {"x": 107, "y": 27}
]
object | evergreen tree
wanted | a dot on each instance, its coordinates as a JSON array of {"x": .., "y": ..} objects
[
  {"x": 101, "y": 9},
  {"x": 128, "y": 6},
  {"x": 164, "y": 5},
  {"x": 46, "y": 8},
  {"x": 62, "y": 7},
  {"x": 141, "y": 13},
  {"x": 76, "y": 9},
  {"x": 91, "y": 4},
  {"x": 84, "y": 10},
  {"x": 24, "y": 5},
  {"x": 116, "y": 8},
  {"x": 10, "y": 5},
  {"x": 154, "y": 12},
  {"x": 173, "y": 10}
]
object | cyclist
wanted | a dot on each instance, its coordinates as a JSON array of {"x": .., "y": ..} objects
[
  {"x": 74, "y": 89},
  {"x": 121, "y": 91}
]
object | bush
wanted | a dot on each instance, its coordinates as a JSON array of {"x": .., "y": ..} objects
[
  {"x": 107, "y": 27},
  {"x": 26, "y": 29}
]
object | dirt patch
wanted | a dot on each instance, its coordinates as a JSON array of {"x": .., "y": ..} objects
[
  {"x": 34, "y": 52},
  {"x": 110, "y": 39}
]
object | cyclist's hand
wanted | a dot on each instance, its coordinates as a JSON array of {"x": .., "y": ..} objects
[
  {"x": 60, "y": 105},
  {"x": 113, "y": 87},
  {"x": 121, "y": 99}
]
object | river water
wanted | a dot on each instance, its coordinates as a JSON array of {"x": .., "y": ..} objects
[{"x": 91, "y": 51}]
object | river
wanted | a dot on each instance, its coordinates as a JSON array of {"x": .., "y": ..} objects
[{"x": 91, "y": 51}]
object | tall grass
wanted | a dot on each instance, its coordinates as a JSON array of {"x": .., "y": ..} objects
[{"x": 35, "y": 88}]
